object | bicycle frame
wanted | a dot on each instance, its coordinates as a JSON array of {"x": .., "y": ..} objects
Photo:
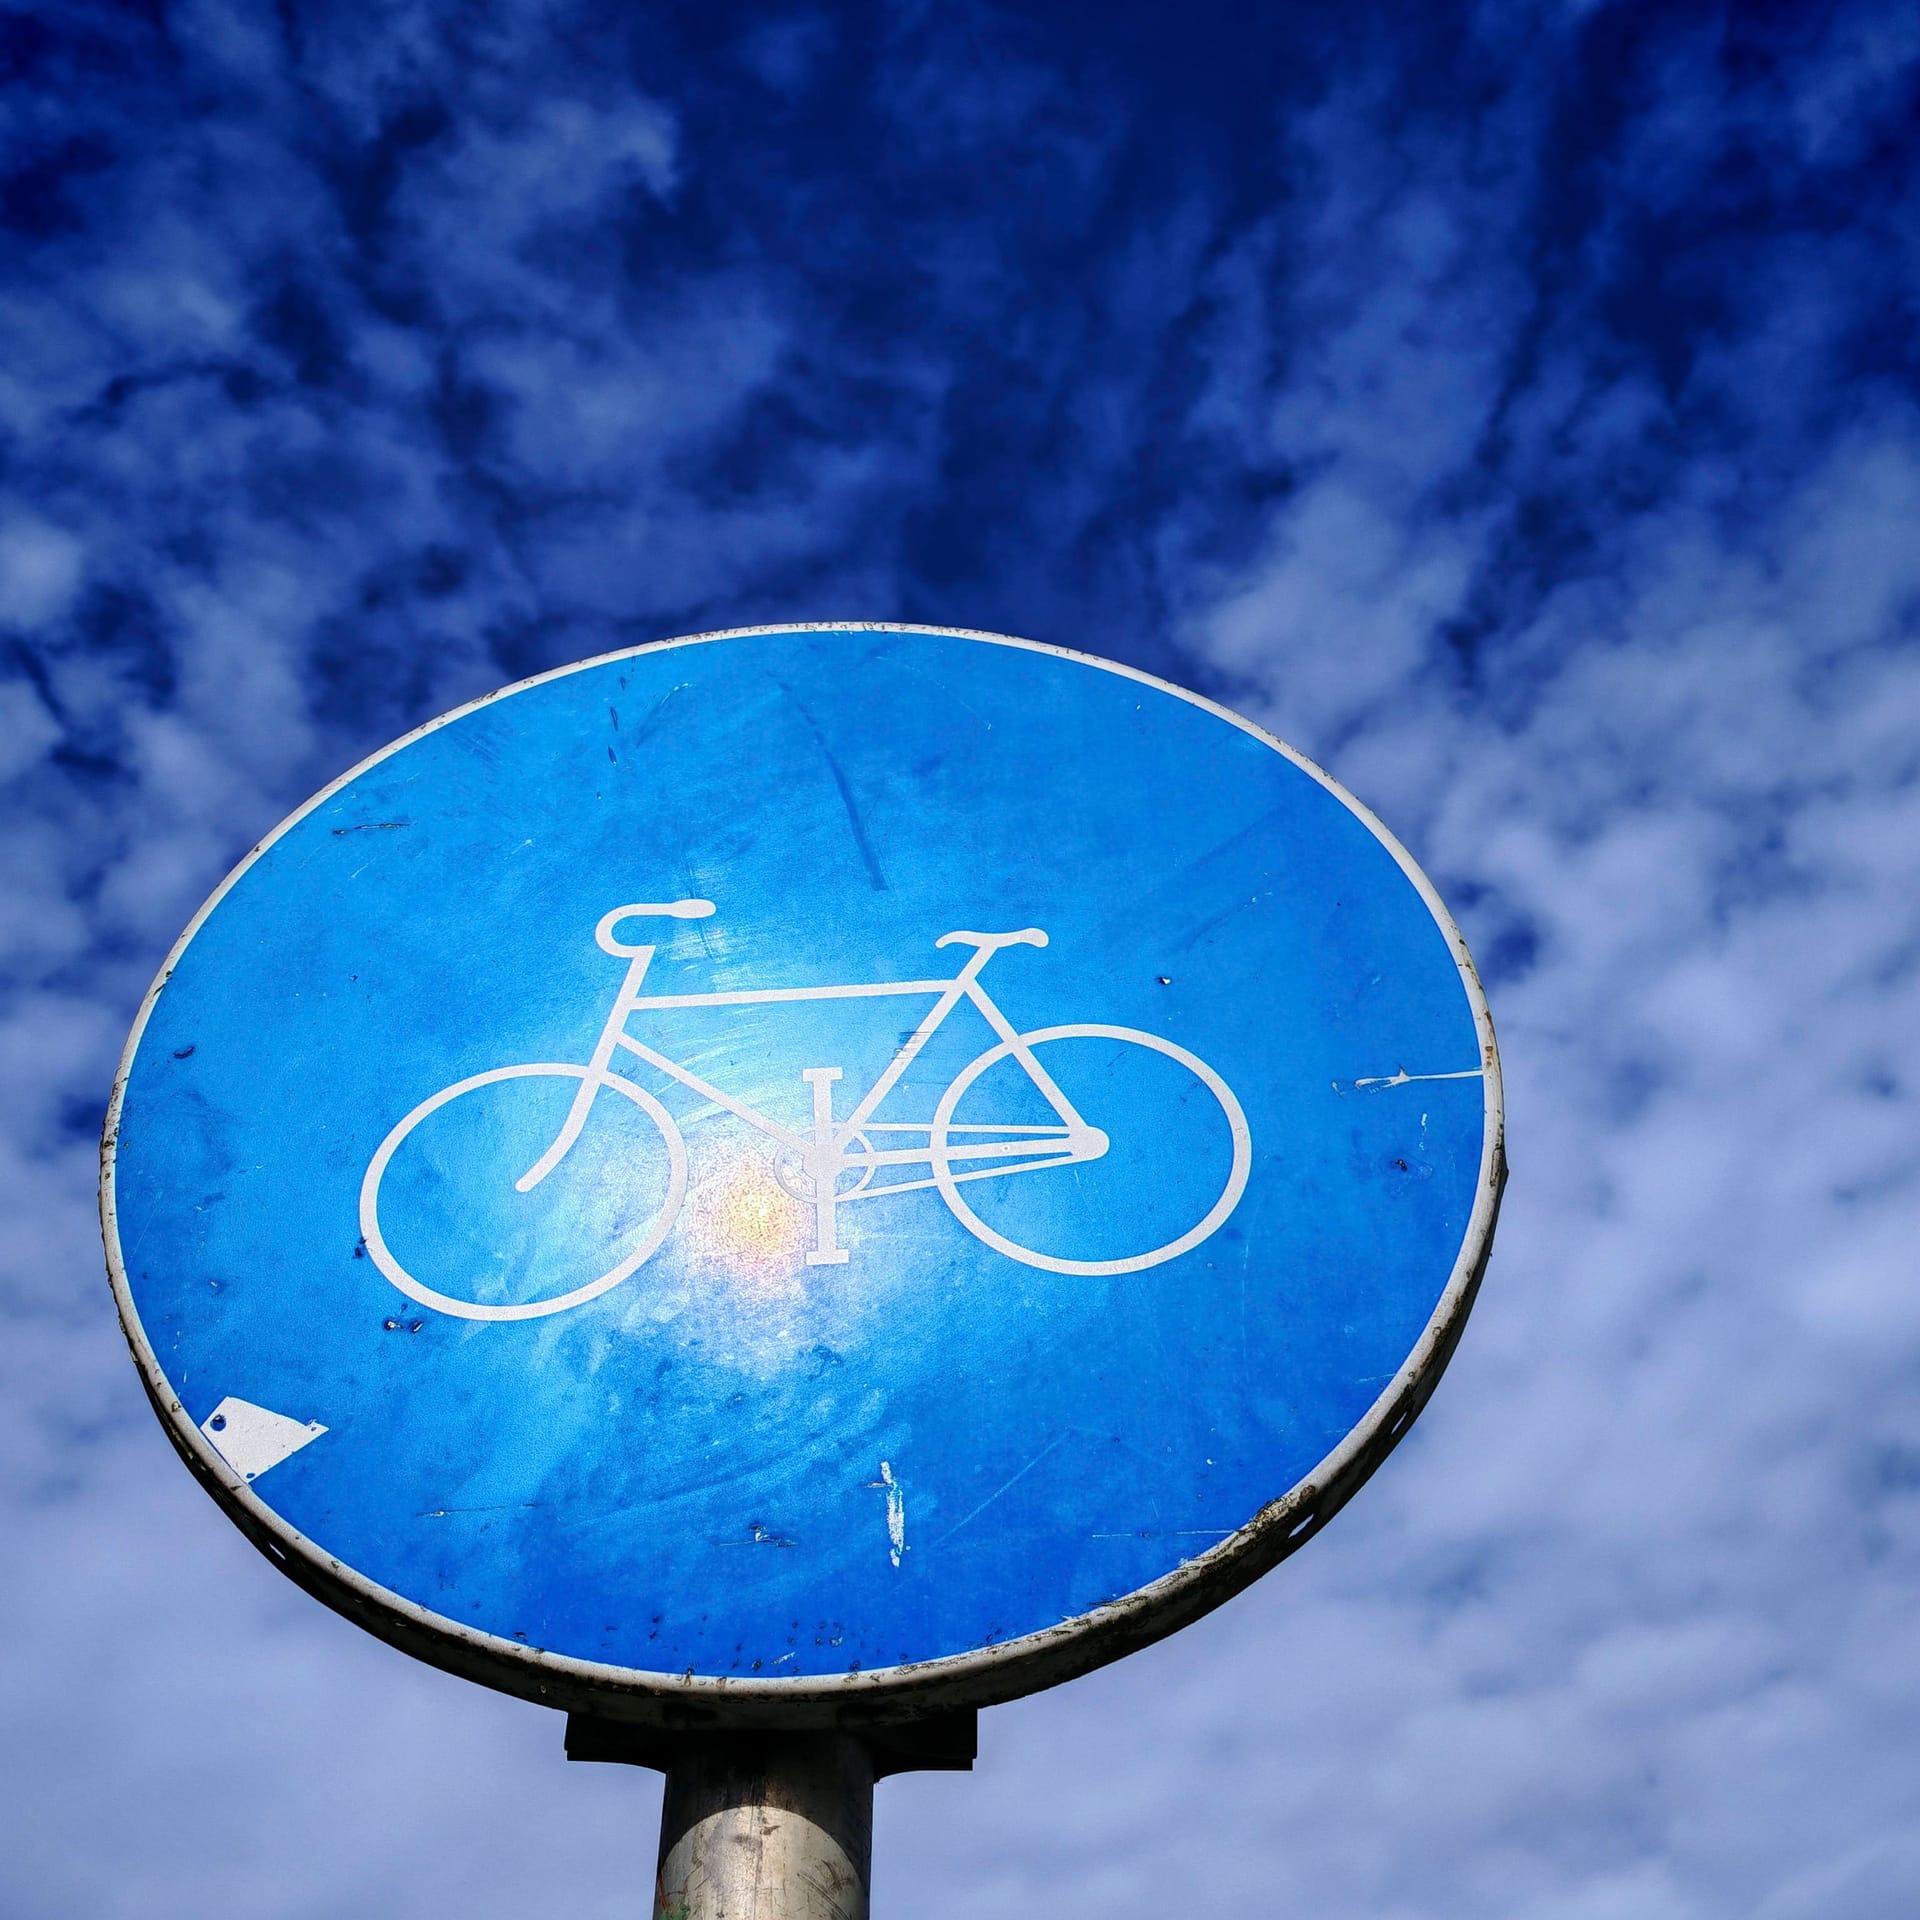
[{"x": 828, "y": 1151}]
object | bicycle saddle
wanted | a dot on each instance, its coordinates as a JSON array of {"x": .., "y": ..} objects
[{"x": 1026, "y": 937}]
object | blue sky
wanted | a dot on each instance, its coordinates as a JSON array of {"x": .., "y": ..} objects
[{"x": 1518, "y": 409}]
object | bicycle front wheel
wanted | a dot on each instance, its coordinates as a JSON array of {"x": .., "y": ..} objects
[
  {"x": 439, "y": 1206},
  {"x": 1162, "y": 1159}
]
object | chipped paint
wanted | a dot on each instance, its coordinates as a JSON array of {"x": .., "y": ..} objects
[
  {"x": 1402, "y": 1078},
  {"x": 896, "y": 1513}
]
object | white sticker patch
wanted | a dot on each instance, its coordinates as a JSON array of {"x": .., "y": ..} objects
[{"x": 251, "y": 1439}]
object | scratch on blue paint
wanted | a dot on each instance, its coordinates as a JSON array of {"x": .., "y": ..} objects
[
  {"x": 847, "y": 800},
  {"x": 1011, "y": 1481}
]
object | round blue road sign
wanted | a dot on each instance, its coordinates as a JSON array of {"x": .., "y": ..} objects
[{"x": 802, "y": 1170}]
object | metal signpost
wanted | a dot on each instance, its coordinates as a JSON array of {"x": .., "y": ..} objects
[{"x": 773, "y": 1190}]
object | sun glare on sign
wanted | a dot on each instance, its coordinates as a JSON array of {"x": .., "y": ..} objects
[{"x": 739, "y": 1218}]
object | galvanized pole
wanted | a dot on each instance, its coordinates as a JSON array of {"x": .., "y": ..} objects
[
  {"x": 758, "y": 1825},
  {"x": 771, "y": 1827}
]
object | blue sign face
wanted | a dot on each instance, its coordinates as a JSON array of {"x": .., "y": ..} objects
[{"x": 749, "y": 1166}]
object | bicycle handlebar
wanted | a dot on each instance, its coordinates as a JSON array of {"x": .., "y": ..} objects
[{"x": 644, "y": 910}]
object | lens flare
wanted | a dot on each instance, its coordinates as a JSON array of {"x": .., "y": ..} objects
[{"x": 739, "y": 1218}]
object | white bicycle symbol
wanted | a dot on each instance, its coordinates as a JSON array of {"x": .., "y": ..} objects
[{"x": 811, "y": 1166}]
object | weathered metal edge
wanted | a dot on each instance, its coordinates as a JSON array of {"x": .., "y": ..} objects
[{"x": 979, "y": 1678}]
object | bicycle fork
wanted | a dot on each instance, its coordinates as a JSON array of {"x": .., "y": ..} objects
[{"x": 599, "y": 1066}]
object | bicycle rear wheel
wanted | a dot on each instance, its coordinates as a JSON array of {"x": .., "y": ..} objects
[{"x": 1183, "y": 1113}]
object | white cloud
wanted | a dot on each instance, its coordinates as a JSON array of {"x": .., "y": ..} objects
[
  {"x": 1348, "y": 600},
  {"x": 27, "y": 729},
  {"x": 40, "y": 569}
]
